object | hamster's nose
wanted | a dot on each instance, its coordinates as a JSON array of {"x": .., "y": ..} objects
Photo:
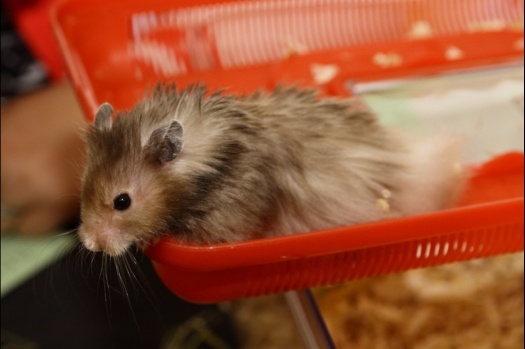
[
  {"x": 110, "y": 241},
  {"x": 91, "y": 243}
]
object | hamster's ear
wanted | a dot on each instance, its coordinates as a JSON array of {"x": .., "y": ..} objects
[
  {"x": 165, "y": 143},
  {"x": 103, "y": 116}
]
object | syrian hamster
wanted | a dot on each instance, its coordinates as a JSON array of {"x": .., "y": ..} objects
[{"x": 216, "y": 167}]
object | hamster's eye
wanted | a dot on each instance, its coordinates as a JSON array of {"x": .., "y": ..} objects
[{"x": 121, "y": 202}]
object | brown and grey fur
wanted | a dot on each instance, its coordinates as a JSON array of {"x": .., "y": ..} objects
[{"x": 229, "y": 168}]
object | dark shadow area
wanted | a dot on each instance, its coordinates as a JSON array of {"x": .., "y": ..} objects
[{"x": 71, "y": 305}]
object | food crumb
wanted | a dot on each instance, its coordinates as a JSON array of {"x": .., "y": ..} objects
[
  {"x": 383, "y": 205},
  {"x": 420, "y": 30},
  {"x": 487, "y": 26},
  {"x": 323, "y": 73},
  {"x": 458, "y": 169},
  {"x": 518, "y": 44},
  {"x": 387, "y": 60},
  {"x": 453, "y": 53},
  {"x": 517, "y": 24},
  {"x": 386, "y": 193},
  {"x": 293, "y": 47},
  {"x": 490, "y": 153},
  {"x": 138, "y": 74}
]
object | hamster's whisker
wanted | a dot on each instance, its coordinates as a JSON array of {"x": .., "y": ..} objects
[
  {"x": 142, "y": 281},
  {"x": 74, "y": 230},
  {"x": 119, "y": 263},
  {"x": 105, "y": 278},
  {"x": 75, "y": 163}
]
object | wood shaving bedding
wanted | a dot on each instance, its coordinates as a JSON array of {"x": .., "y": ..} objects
[
  {"x": 476, "y": 304},
  {"x": 265, "y": 322}
]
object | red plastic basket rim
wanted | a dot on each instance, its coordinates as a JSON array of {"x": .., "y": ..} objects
[
  {"x": 275, "y": 249},
  {"x": 270, "y": 250}
]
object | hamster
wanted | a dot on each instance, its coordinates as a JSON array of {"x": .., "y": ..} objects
[{"x": 210, "y": 168}]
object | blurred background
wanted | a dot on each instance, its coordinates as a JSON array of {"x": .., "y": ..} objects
[{"x": 52, "y": 295}]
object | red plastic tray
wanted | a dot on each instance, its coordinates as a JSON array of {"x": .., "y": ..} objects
[
  {"x": 95, "y": 38},
  {"x": 488, "y": 221},
  {"x": 102, "y": 41}
]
